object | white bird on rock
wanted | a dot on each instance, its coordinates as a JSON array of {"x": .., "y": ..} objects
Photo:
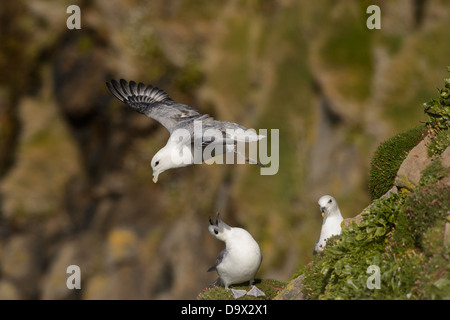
[
  {"x": 239, "y": 261},
  {"x": 332, "y": 220},
  {"x": 191, "y": 133}
]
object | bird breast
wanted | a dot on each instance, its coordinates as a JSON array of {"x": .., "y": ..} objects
[
  {"x": 241, "y": 246},
  {"x": 332, "y": 226}
]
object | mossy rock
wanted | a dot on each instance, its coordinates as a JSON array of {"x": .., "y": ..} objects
[
  {"x": 388, "y": 158},
  {"x": 268, "y": 286}
]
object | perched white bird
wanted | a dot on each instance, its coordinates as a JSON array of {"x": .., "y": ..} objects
[
  {"x": 239, "y": 261},
  {"x": 194, "y": 137},
  {"x": 332, "y": 220}
]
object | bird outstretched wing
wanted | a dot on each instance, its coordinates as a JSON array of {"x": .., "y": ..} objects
[{"x": 153, "y": 102}]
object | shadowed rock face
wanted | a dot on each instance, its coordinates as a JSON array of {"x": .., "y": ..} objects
[{"x": 75, "y": 170}]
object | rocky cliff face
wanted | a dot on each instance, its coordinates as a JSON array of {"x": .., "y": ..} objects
[{"x": 75, "y": 178}]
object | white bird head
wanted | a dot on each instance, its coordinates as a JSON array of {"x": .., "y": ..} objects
[
  {"x": 219, "y": 229},
  {"x": 328, "y": 205},
  {"x": 169, "y": 157},
  {"x": 160, "y": 163}
]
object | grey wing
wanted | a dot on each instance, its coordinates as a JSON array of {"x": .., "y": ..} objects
[
  {"x": 220, "y": 257},
  {"x": 153, "y": 102},
  {"x": 217, "y": 132}
]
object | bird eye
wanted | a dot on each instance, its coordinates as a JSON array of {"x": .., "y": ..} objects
[
  {"x": 329, "y": 201},
  {"x": 156, "y": 163},
  {"x": 216, "y": 232}
]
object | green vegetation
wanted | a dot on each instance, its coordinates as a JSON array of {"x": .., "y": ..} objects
[
  {"x": 340, "y": 272},
  {"x": 422, "y": 209},
  {"x": 421, "y": 228},
  {"x": 269, "y": 287},
  {"x": 402, "y": 235},
  {"x": 433, "y": 173},
  {"x": 438, "y": 109},
  {"x": 388, "y": 157},
  {"x": 440, "y": 140}
]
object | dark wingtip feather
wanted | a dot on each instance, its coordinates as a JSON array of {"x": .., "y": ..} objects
[
  {"x": 115, "y": 90},
  {"x": 132, "y": 87},
  {"x": 125, "y": 87},
  {"x": 140, "y": 88}
]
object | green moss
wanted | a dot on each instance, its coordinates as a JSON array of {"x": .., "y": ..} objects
[
  {"x": 426, "y": 215},
  {"x": 433, "y": 282},
  {"x": 388, "y": 157},
  {"x": 434, "y": 172},
  {"x": 269, "y": 287},
  {"x": 440, "y": 140},
  {"x": 422, "y": 209}
]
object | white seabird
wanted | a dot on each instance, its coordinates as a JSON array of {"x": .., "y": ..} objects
[
  {"x": 239, "y": 261},
  {"x": 218, "y": 136},
  {"x": 332, "y": 220}
]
